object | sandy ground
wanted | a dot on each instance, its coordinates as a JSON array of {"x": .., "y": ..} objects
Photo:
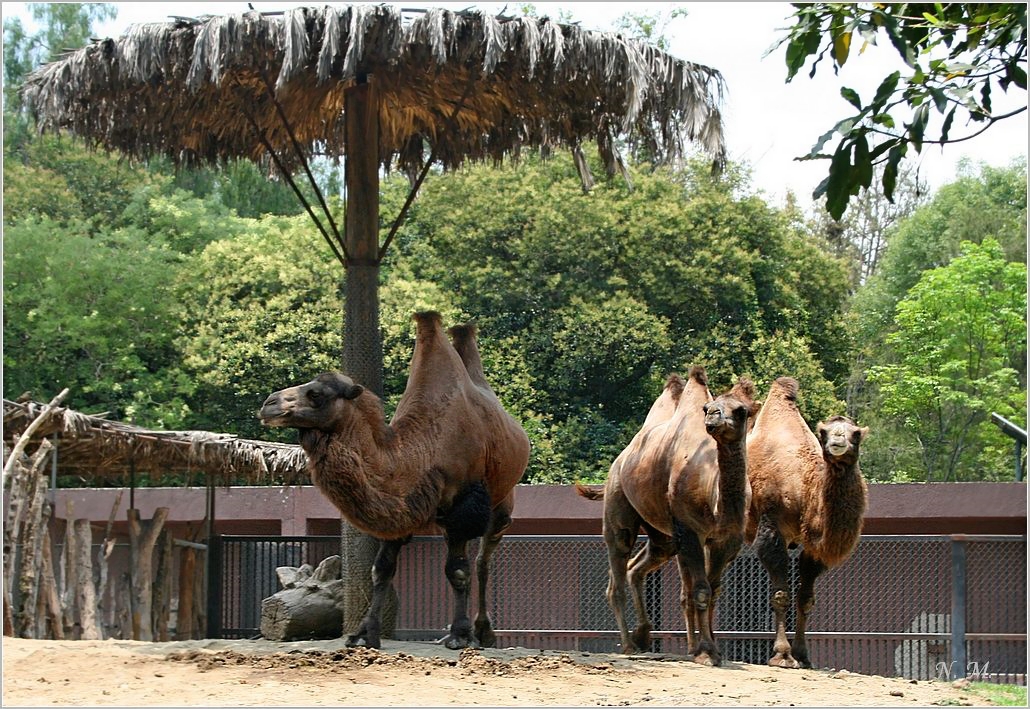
[{"x": 325, "y": 673}]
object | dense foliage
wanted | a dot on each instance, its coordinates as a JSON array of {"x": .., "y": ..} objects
[{"x": 181, "y": 300}]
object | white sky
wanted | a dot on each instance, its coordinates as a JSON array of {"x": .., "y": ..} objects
[{"x": 767, "y": 121}]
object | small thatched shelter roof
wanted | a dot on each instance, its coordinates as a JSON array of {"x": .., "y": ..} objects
[
  {"x": 102, "y": 451},
  {"x": 200, "y": 90}
]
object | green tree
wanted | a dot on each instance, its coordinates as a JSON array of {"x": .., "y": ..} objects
[
  {"x": 957, "y": 56},
  {"x": 606, "y": 292},
  {"x": 96, "y": 315},
  {"x": 961, "y": 345},
  {"x": 64, "y": 26}
]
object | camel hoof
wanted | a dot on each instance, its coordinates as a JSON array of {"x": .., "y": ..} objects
[
  {"x": 706, "y": 659},
  {"x": 784, "y": 661},
  {"x": 642, "y": 637},
  {"x": 362, "y": 641},
  {"x": 486, "y": 636},
  {"x": 458, "y": 642}
]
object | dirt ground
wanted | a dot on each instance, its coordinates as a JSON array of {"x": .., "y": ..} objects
[{"x": 325, "y": 673}]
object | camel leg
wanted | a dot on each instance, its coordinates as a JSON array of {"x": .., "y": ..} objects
[
  {"x": 809, "y": 569},
  {"x": 383, "y": 569},
  {"x": 772, "y": 552},
  {"x": 468, "y": 518},
  {"x": 653, "y": 555},
  {"x": 691, "y": 552},
  {"x": 720, "y": 555},
  {"x": 500, "y": 520},
  {"x": 620, "y": 543},
  {"x": 687, "y": 607}
]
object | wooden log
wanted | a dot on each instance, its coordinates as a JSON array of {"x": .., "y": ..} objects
[
  {"x": 309, "y": 606},
  {"x": 31, "y": 536},
  {"x": 123, "y": 593},
  {"x": 142, "y": 538},
  {"x": 184, "y": 614},
  {"x": 48, "y": 593},
  {"x": 26, "y": 435},
  {"x": 162, "y": 592},
  {"x": 19, "y": 501},
  {"x": 85, "y": 591},
  {"x": 66, "y": 564},
  {"x": 103, "y": 557}
]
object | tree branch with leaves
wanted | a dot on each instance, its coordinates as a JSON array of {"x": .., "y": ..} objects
[{"x": 956, "y": 56}]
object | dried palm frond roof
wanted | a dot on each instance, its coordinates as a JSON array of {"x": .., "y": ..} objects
[
  {"x": 100, "y": 450},
  {"x": 200, "y": 90}
]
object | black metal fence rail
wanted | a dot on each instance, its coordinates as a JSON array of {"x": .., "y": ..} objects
[{"x": 919, "y": 607}]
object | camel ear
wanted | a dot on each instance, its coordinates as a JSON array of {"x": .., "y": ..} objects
[
  {"x": 353, "y": 391},
  {"x": 861, "y": 434},
  {"x": 820, "y": 432}
]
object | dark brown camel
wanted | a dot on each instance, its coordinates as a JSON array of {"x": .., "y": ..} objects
[
  {"x": 805, "y": 491},
  {"x": 451, "y": 455},
  {"x": 684, "y": 480}
]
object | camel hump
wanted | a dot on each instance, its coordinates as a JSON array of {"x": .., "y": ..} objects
[
  {"x": 428, "y": 320},
  {"x": 463, "y": 337},
  {"x": 745, "y": 391},
  {"x": 699, "y": 375},
  {"x": 675, "y": 385},
  {"x": 591, "y": 493},
  {"x": 789, "y": 387}
]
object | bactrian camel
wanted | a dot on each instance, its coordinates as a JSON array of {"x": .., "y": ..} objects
[
  {"x": 451, "y": 455},
  {"x": 682, "y": 479},
  {"x": 806, "y": 491}
]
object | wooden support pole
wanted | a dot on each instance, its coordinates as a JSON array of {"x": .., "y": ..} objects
[{"x": 142, "y": 539}]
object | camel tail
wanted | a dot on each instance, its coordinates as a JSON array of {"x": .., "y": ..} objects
[
  {"x": 698, "y": 374},
  {"x": 463, "y": 337},
  {"x": 591, "y": 493}
]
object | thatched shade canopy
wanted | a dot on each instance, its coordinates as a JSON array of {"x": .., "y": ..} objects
[
  {"x": 103, "y": 452},
  {"x": 185, "y": 88}
]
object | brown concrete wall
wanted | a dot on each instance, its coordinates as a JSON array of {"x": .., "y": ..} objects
[{"x": 939, "y": 508}]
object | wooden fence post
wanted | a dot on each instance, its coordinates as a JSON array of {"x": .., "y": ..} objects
[{"x": 86, "y": 592}]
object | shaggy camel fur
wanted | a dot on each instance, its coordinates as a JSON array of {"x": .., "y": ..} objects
[
  {"x": 682, "y": 478},
  {"x": 451, "y": 455},
  {"x": 806, "y": 491}
]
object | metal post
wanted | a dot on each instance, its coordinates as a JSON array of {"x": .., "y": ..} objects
[
  {"x": 214, "y": 587},
  {"x": 1019, "y": 461},
  {"x": 958, "y": 606}
]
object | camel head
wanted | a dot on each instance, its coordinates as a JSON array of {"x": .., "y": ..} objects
[
  {"x": 727, "y": 415},
  {"x": 840, "y": 439},
  {"x": 322, "y": 404}
]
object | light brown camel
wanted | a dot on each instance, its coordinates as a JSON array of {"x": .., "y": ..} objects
[
  {"x": 684, "y": 480},
  {"x": 451, "y": 455},
  {"x": 805, "y": 491}
]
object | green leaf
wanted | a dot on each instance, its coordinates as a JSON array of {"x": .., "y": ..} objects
[
  {"x": 885, "y": 90},
  {"x": 863, "y": 172},
  {"x": 946, "y": 128},
  {"x": 838, "y": 187},
  {"x": 851, "y": 96}
]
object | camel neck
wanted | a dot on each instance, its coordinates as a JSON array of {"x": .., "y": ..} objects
[
  {"x": 369, "y": 486},
  {"x": 733, "y": 482}
]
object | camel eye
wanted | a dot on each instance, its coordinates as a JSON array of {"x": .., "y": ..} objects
[{"x": 315, "y": 397}]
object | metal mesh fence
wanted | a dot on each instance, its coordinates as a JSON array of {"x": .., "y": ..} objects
[{"x": 885, "y": 611}]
